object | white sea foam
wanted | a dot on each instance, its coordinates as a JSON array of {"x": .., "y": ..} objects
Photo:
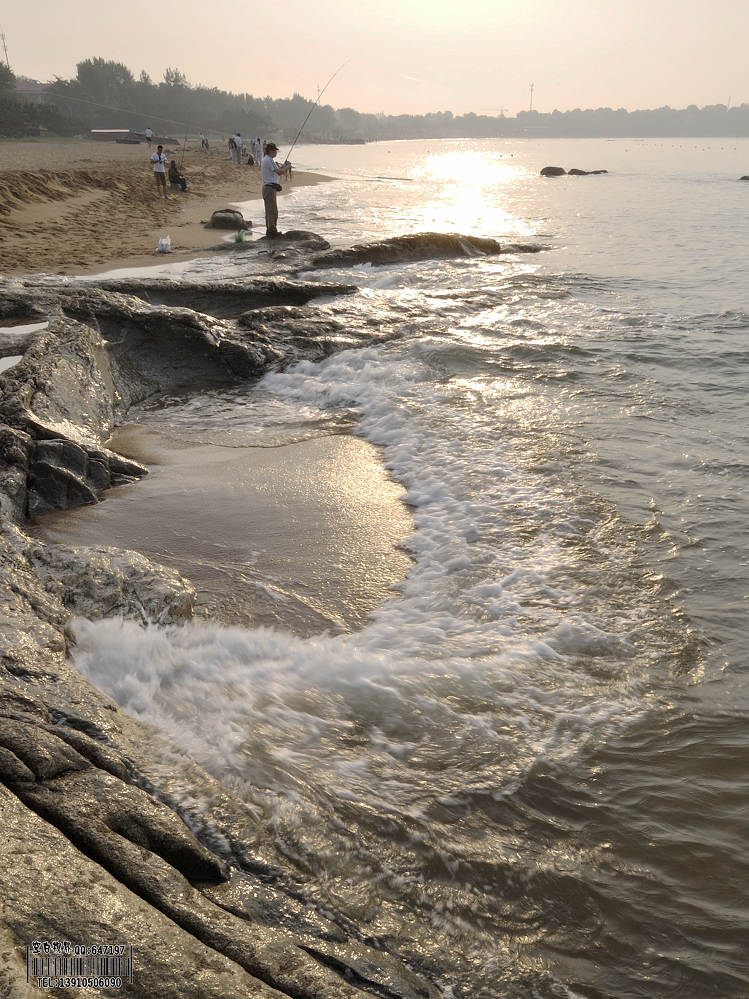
[{"x": 480, "y": 654}]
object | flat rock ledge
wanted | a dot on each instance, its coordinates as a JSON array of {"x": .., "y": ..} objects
[{"x": 99, "y": 845}]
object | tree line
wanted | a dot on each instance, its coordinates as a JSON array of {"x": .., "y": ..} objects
[{"x": 106, "y": 94}]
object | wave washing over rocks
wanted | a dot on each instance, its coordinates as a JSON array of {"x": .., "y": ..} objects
[{"x": 100, "y": 842}]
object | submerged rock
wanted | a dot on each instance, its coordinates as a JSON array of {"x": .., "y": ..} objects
[
  {"x": 420, "y": 246},
  {"x": 551, "y": 171}
]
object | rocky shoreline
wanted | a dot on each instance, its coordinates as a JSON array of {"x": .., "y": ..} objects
[{"x": 101, "y": 845}]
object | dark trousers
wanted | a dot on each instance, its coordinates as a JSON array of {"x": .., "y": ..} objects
[{"x": 271, "y": 209}]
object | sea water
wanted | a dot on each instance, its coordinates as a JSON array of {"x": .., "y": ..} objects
[{"x": 527, "y": 771}]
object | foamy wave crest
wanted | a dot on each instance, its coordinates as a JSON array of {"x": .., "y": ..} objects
[{"x": 263, "y": 708}]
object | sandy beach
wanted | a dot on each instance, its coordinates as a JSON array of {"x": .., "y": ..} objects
[{"x": 80, "y": 206}]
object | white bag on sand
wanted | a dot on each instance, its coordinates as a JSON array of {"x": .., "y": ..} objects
[{"x": 165, "y": 245}]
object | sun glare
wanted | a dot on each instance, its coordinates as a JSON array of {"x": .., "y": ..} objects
[{"x": 471, "y": 191}]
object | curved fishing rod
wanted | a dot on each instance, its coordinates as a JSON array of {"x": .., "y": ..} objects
[{"x": 301, "y": 127}]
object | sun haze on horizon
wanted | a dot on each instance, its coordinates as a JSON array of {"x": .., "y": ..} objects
[{"x": 409, "y": 56}]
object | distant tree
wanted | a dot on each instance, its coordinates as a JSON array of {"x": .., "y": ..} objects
[
  {"x": 175, "y": 78},
  {"x": 7, "y": 78},
  {"x": 103, "y": 78}
]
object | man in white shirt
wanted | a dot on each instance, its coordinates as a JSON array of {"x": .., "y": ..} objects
[
  {"x": 149, "y": 135},
  {"x": 159, "y": 170},
  {"x": 270, "y": 172}
]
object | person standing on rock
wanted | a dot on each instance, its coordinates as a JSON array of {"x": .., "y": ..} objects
[
  {"x": 270, "y": 171},
  {"x": 159, "y": 170}
]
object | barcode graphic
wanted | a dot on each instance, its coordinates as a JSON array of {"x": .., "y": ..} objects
[{"x": 80, "y": 969}]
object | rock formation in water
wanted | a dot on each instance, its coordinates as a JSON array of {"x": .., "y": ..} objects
[
  {"x": 100, "y": 844},
  {"x": 552, "y": 171},
  {"x": 420, "y": 246}
]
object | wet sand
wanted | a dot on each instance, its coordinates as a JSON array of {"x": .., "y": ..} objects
[
  {"x": 304, "y": 537},
  {"x": 82, "y": 207}
]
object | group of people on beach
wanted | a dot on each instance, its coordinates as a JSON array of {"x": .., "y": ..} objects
[
  {"x": 239, "y": 152},
  {"x": 263, "y": 153}
]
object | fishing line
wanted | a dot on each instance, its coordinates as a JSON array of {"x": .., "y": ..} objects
[
  {"x": 301, "y": 127},
  {"x": 129, "y": 111}
]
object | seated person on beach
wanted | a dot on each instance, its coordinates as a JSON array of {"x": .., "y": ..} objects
[
  {"x": 159, "y": 170},
  {"x": 175, "y": 177}
]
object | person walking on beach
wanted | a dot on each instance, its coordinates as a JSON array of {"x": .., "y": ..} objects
[
  {"x": 159, "y": 170},
  {"x": 149, "y": 135},
  {"x": 270, "y": 171}
]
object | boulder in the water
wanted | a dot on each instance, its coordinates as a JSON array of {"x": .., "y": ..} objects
[
  {"x": 552, "y": 171},
  {"x": 746, "y": 177},
  {"x": 228, "y": 218}
]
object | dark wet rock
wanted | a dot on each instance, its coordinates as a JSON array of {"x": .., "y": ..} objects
[
  {"x": 12, "y": 344},
  {"x": 98, "y": 755},
  {"x": 553, "y": 171},
  {"x": 62, "y": 387},
  {"x": 16, "y": 448},
  {"x": 80, "y": 897},
  {"x": 575, "y": 172},
  {"x": 16, "y": 307},
  {"x": 420, "y": 246},
  {"x": 103, "y": 859},
  {"x": 746, "y": 177},
  {"x": 93, "y": 808},
  {"x": 305, "y": 240},
  {"x": 293, "y": 243},
  {"x": 15, "y": 702},
  {"x": 109, "y": 582},
  {"x": 41, "y": 752},
  {"x": 63, "y": 474},
  {"x": 312, "y": 333},
  {"x": 54, "y": 487},
  {"x": 227, "y": 299},
  {"x": 228, "y": 218}
]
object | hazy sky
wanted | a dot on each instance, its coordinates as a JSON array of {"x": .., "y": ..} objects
[{"x": 408, "y": 56}]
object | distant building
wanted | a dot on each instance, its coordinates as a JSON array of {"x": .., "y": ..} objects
[{"x": 33, "y": 91}]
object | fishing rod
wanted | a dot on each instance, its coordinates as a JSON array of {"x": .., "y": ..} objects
[{"x": 301, "y": 127}]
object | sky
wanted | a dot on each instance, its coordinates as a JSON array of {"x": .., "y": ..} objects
[{"x": 406, "y": 56}]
